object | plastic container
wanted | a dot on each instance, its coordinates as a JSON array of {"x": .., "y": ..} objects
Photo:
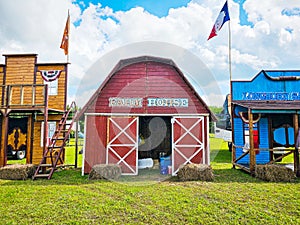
[
  {"x": 165, "y": 162},
  {"x": 169, "y": 169},
  {"x": 145, "y": 163}
]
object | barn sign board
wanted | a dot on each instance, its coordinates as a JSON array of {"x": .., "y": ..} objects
[
  {"x": 126, "y": 102},
  {"x": 168, "y": 102},
  {"x": 151, "y": 102}
]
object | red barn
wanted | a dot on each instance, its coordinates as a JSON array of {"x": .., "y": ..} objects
[{"x": 145, "y": 107}]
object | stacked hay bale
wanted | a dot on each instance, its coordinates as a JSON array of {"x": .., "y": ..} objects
[
  {"x": 17, "y": 172},
  {"x": 107, "y": 172},
  {"x": 274, "y": 173},
  {"x": 194, "y": 172}
]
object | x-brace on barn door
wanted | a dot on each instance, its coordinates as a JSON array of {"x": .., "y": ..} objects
[
  {"x": 122, "y": 143},
  {"x": 188, "y": 141}
]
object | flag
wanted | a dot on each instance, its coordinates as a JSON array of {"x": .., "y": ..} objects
[
  {"x": 65, "y": 39},
  {"x": 222, "y": 18}
]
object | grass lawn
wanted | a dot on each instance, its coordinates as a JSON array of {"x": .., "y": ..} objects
[{"x": 234, "y": 197}]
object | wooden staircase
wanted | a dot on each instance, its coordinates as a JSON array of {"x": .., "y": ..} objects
[{"x": 54, "y": 153}]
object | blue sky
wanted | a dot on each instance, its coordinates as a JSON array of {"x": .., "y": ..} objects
[
  {"x": 265, "y": 35},
  {"x": 158, "y": 8},
  {"x": 155, "y": 7}
]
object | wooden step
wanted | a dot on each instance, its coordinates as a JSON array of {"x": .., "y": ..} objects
[
  {"x": 45, "y": 165},
  {"x": 60, "y": 139},
  {"x": 42, "y": 175},
  {"x": 54, "y": 147},
  {"x": 62, "y": 131}
]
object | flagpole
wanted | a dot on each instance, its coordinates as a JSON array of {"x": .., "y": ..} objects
[
  {"x": 68, "y": 36},
  {"x": 229, "y": 55}
]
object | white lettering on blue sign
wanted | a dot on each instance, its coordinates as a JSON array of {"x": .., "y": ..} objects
[
  {"x": 271, "y": 96},
  {"x": 168, "y": 102}
]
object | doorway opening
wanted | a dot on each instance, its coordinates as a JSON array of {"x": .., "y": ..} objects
[
  {"x": 154, "y": 136},
  {"x": 17, "y": 140}
]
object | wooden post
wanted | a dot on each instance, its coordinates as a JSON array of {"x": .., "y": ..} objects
[
  {"x": 76, "y": 143},
  {"x": 45, "y": 119},
  {"x": 252, "y": 152},
  {"x": 6, "y": 119},
  {"x": 233, "y": 152},
  {"x": 296, "y": 152},
  {"x": 32, "y": 120}
]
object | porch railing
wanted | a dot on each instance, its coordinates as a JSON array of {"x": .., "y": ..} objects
[{"x": 23, "y": 95}]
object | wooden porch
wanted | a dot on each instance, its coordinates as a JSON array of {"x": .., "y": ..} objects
[{"x": 252, "y": 150}]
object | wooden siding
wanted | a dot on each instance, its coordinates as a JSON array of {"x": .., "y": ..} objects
[
  {"x": 95, "y": 141},
  {"x": 1, "y": 74},
  {"x": 20, "y": 70},
  {"x": 37, "y": 153},
  {"x": 23, "y": 76},
  {"x": 264, "y": 82},
  {"x": 239, "y": 139},
  {"x": 148, "y": 79},
  {"x": 264, "y": 156}
]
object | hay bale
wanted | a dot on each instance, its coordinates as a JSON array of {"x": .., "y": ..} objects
[
  {"x": 193, "y": 172},
  {"x": 274, "y": 173},
  {"x": 105, "y": 171},
  {"x": 17, "y": 172}
]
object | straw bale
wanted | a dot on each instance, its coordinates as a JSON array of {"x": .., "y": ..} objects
[
  {"x": 274, "y": 173},
  {"x": 194, "y": 172},
  {"x": 105, "y": 171},
  {"x": 17, "y": 172}
]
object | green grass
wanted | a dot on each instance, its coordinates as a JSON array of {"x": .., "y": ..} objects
[
  {"x": 69, "y": 154},
  {"x": 234, "y": 197}
]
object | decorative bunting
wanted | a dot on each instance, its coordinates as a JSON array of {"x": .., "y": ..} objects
[{"x": 50, "y": 75}]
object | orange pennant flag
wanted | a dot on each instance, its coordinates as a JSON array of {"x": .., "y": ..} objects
[{"x": 65, "y": 39}]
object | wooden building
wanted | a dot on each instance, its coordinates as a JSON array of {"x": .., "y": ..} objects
[
  {"x": 145, "y": 107},
  {"x": 265, "y": 119},
  {"x": 31, "y": 93}
]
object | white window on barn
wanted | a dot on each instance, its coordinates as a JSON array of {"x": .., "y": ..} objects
[{"x": 52, "y": 87}]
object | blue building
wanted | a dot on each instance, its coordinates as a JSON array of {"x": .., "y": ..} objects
[{"x": 265, "y": 119}]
